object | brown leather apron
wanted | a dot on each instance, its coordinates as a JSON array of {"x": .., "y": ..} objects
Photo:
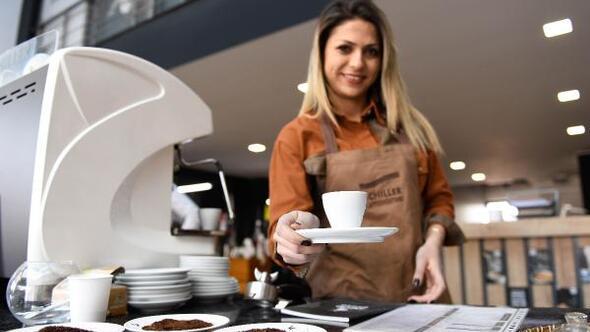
[{"x": 388, "y": 173}]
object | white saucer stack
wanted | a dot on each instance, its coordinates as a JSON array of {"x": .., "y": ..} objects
[
  {"x": 209, "y": 277},
  {"x": 156, "y": 290}
]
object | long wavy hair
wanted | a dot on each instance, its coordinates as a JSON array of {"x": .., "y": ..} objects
[{"x": 389, "y": 90}]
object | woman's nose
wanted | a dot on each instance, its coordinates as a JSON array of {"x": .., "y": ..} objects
[{"x": 356, "y": 59}]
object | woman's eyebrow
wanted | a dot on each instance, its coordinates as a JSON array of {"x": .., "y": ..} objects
[
  {"x": 346, "y": 41},
  {"x": 353, "y": 43}
]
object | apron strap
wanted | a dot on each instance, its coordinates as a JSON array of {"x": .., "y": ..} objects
[
  {"x": 386, "y": 136},
  {"x": 328, "y": 132}
]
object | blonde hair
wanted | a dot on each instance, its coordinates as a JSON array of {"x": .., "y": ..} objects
[{"x": 389, "y": 88}]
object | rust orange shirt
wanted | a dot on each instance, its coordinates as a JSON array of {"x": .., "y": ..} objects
[{"x": 302, "y": 138}]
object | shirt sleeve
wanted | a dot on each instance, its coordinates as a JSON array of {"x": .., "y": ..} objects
[
  {"x": 288, "y": 186},
  {"x": 438, "y": 202}
]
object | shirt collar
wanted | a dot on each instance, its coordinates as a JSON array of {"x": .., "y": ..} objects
[{"x": 371, "y": 111}]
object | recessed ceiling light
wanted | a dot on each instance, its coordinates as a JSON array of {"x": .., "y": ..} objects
[
  {"x": 302, "y": 87},
  {"x": 557, "y": 28},
  {"x": 576, "y": 130},
  {"x": 267, "y": 202},
  {"x": 478, "y": 177},
  {"x": 457, "y": 165},
  {"x": 257, "y": 148},
  {"x": 570, "y": 95},
  {"x": 193, "y": 188}
]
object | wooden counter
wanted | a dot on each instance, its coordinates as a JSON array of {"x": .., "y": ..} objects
[
  {"x": 527, "y": 228},
  {"x": 532, "y": 262}
]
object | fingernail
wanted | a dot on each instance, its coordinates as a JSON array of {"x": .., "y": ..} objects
[
  {"x": 416, "y": 283},
  {"x": 412, "y": 301},
  {"x": 306, "y": 243}
]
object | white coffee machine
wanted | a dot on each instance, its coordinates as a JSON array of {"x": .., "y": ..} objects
[{"x": 100, "y": 127}]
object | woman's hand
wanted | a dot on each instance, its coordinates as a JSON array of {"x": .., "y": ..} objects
[
  {"x": 429, "y": 267},
  {"x": 294, "y": 248}
]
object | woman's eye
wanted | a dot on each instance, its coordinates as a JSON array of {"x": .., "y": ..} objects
[
  {"x": 373, "y": 52},
  {"x": 344, "y": 48}
]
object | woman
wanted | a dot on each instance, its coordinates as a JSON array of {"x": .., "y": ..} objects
[{"x": 357, "y": 130}]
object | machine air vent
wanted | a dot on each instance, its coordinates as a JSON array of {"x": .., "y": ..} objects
[{"x": 17, "y": 94}]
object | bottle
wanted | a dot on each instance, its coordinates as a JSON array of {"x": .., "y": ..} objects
[{"x": 260, "y": 242}]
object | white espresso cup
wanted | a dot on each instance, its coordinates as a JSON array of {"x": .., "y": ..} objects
[
  {"x": 210, "y": 218},
  {"x": 345, "y": 209},
  {"x": 89, "y": 296}
]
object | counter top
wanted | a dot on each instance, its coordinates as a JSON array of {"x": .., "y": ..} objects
[
  {"x": 529, "y": 228},
  {"x": 243, "y": 312}
]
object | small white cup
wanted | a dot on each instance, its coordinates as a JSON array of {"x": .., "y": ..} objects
[
  {"x": 89, "y": 297},
  {"x": 345, "y": 209},
  {"x": 210, "y": 218},
  {"x": 192, "y": 220}
]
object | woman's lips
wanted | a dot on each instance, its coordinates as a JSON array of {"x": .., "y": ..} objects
[{"x": 353, "y": 78}]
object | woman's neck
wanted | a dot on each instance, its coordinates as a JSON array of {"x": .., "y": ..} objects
[{"x": 351, "y": 109}]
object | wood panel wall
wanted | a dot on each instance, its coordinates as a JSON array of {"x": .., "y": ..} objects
[{"x": 561, "y": 240}]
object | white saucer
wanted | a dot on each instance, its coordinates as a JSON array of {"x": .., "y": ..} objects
[
  {"x": 203, "y": 270},
  {"x": 157, "y": 271},
  {"x": 350, "y": 235},
  {"x": 203, "y": 258},
  {"x": 159, "y": 305},
  {"x": 98, "y": 327},
  {"x": 124, "y": 277},
  {"x": 291, "y": 327},
  {"x": 163, "y": 302},
  {"x": 345, "y": 240},
  {"x": 184, "y": 281},
  {"x": 137, "y": 325},
  {"x": 159, "y": 297},
  {"x": 154, "y": 289}
]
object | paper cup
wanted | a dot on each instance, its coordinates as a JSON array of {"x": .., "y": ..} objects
[
  {"x": 89, "y": 297},
  {"x": 345, "y": 209}
]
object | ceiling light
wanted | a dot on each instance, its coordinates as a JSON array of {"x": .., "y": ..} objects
[
  {"x": 565, "y": 96},
  {"x": 557, "y": 28},
  {"x": 478, "y": 177},
  {"x": 257, "y": 148},
  {"x": 193, "y": 188},
  {"x": 576, "y": 130},
  {"x": 457, "y": 165},
  {"x": 267, "y": 202},
  {"x": 302, "y": 87}
]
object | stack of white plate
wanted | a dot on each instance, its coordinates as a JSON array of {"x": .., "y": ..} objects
[
  {"x": 209, "y": 277},
  {"x": 156, "y": 290}
]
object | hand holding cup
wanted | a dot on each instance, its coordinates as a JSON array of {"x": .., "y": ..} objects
[{"x": 294, "y": 248}]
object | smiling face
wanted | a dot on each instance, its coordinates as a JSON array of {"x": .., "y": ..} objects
[{"x": 352, "y": 60}]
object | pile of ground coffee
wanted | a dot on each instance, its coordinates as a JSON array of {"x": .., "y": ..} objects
[
  {"x": 176, "y": 325},
  {"x": 61, "y": 329}
]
